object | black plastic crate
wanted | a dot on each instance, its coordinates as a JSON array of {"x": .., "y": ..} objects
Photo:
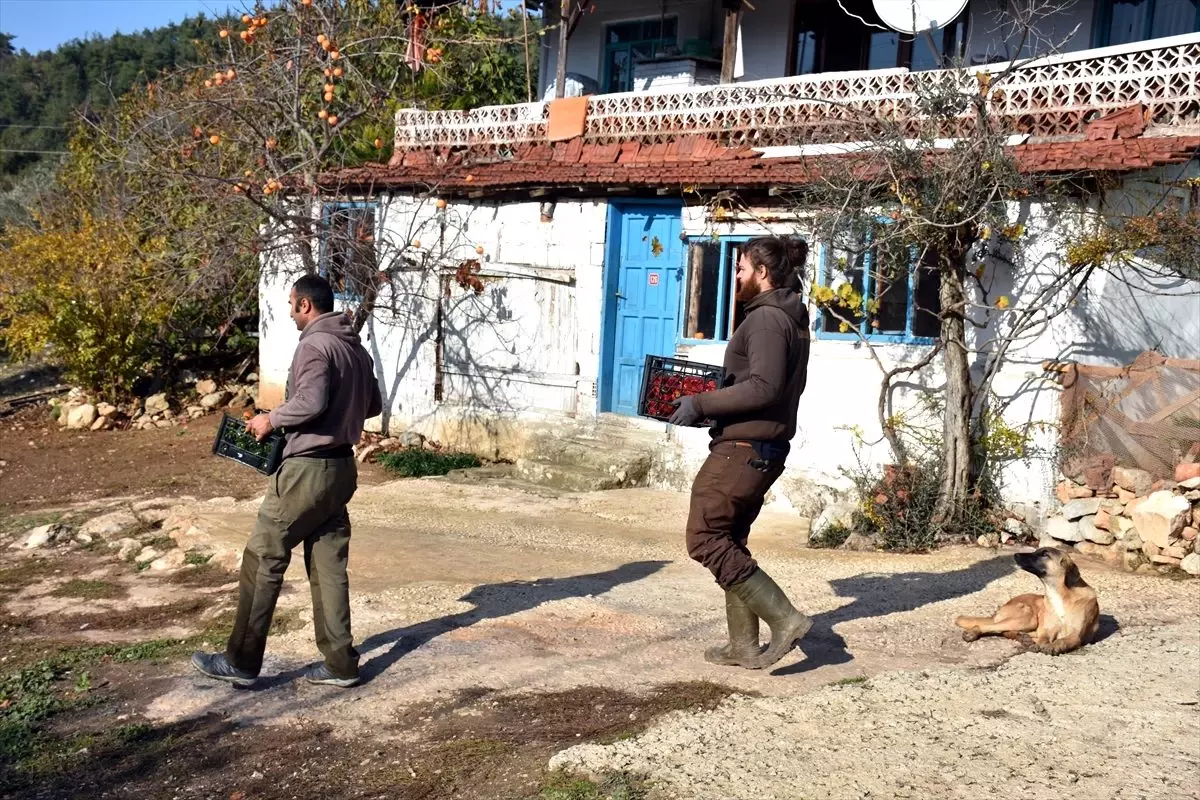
[
  {"x": 235, "y": 442},
  {"x": 667, "y": 379}
]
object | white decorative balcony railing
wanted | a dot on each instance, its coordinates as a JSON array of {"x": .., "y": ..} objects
[{"x": 1048, "y": 96}]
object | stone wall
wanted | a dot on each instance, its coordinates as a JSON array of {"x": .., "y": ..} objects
[{"x": 1128, "y": 518}]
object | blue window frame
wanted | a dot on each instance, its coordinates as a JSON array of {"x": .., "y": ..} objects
[
  {"x": 627, "y": 42},
  {"x": 348, "y": 246},
  {"x": 900, "y": 292},
  {"x": 709, "y": 312}
]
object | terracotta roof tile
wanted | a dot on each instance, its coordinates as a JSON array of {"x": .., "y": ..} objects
[{"x": 707, "y": 164}]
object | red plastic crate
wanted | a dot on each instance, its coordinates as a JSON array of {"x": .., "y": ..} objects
[{"x": 667, "y": 379}]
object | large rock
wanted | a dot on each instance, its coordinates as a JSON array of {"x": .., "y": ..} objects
[
  {"x": 1077, "y": 509},
  {"x": 240, "y": 402},
  {"x": 1087, "y": 526},
  {"x": 1125, "y": 530},
  {"x": 1161, "y": 517},
  {"x": 174, "y": 559},
  {"x": 836, "y": 513},
  {"x": 113, "y": 524},
  {"x": 1094, "y": 472},
  {"x": 205, "y": 387},
  {"x": 147, "y": 555},
  {"x": 127, "y": 548},
  {"x": 1133, "y": 480},
  {"x": 1064, "y": 530},
  {"x": 80, "y": 418},
  {"x": 102, "y": 424},
  {"x": 1187, "y": 472},
  {"x": 215, "y": 400},
  {"x": 46, "y": 535},
  {"x": 1191, "y": 564},
  {"x": 106, "y": 410},
  {"x": 157, "y": 403},
  {"x": 861, "y": 543}
]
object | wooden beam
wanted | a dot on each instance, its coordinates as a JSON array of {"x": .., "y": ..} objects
[
  {"x": 560, "y": 79},
  {"x": 540, "y": 192},
  {"x": 733, "y": 19}
]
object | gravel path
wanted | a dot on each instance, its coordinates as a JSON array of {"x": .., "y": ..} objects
[{"x": 1119, "y": 719}]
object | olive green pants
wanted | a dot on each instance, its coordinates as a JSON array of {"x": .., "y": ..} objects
[{"x": 305, "y": 504}]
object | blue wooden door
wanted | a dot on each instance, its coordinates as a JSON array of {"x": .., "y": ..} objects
[{"x": 648, "y": 275}]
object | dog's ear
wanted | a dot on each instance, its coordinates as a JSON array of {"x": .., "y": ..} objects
[{"x": 1071, "y": 576}]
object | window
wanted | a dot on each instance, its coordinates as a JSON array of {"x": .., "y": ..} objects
[
  {"x": 627, "y": 42},
  {"x": 828, "y": 40},
  {"x": 709, "y": 309},
  {"x": 879, "y": 289},
  {"x": 1125, "y": 21},
  {"x": 348, "y": 247}
]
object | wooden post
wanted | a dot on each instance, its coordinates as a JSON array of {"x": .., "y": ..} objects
[
  {"x": 525, "y": 41},
  {"x": 733, "y": 20},
  {"x": 560, "y": 78}
]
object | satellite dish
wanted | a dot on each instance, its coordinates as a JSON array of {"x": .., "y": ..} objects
[{"x": 915, "y": 16}]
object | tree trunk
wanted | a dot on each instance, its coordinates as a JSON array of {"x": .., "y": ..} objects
[{"x": 956, "y": 426}]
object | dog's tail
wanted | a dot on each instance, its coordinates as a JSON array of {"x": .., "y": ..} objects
[{"x": 966, "y": 623}]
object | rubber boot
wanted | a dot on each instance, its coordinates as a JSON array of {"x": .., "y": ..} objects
[
  {"x": 743, "y": 649},
  {"x": 764, "y": 597}
]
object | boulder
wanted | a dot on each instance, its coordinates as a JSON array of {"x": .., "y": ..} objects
[
  {"x": 412, "y": 439},
  {"x": 173, "y": 559},
  {"x": 206, "y": 387},
  {"x": 240, "y": 402},
  {"x": 1063, "y": 530},
  {"x": 1191, "y": 564},
  {"x": 1189, "y": 533},
  {"x": 1161, "y": 517},
  {"x": 46, "y": 535},
  {"x": 859, "y": 543},
  {"x": 1097, "y": 535},
  {"x": 81, "y": 417},
  {"x": 1133, "y": 480},
  {"x": 1166, "y": 561},
  {"x": 147, "y": 554},
  {"x": 989, "y": 540},
  {"x": 1089, "y": 549},
  {"x": 102, "y": 424},
  {"x": 106, "y": 410},
  {"x": 113, "y": 524},
  {"x": 215, "y": 400},
  {"x": 1123, "y": 495},
  {"x": 1150, "y": 549},
  {"x": 840, "y": 512},
  {"x": 1097, "y": 474},
  {"x": 1016, "y": 528},
  {"x": 127, "y": 548},
  {"x": 1077, "y": 509},
  {"x": 1190, "y": 484},
  {"x": 1187, "y": 472},
  {"x": 1175, "y": 551},
  {"x": 157, "y": 403},
  {"x": 1103, "y": 519}
]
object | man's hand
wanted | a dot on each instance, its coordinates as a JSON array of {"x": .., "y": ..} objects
[
  {"x": 260, "y": 427},
  {"x": 686, "y": 411}
]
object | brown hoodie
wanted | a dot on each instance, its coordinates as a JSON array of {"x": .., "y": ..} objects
[
  {"x": 331, "y": 388},
  {"x": 766, "y": 367}
]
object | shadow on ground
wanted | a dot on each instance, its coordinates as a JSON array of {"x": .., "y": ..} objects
[
  {"x": 493, "y": 601},
  {"x": 877, "y": 595}
]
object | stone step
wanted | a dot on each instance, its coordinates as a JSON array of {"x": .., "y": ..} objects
[
  {"x": 634, "y": 457},
  {"x": 503, "y": 476},
  {"x": 574, "y": 478}
]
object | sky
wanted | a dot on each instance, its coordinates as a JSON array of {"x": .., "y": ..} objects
[{"x": 44, "y": 24}]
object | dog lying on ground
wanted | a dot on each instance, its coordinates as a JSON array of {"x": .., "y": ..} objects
[{"x": 1062, "y": 620}]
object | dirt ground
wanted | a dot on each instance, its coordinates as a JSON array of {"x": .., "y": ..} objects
[
  {"x": 43, "y": 465},
  {"x": 507, "y": 636}
]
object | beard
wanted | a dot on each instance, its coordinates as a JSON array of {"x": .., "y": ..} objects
[{"x": 747, "y": 290}]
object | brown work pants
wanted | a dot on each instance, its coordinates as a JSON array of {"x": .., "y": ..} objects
[
  {"x": 726, "y": 497},
  {"x": 305, "y": 504}
]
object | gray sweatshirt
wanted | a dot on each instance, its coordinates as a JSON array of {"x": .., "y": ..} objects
[{"x": 331, "y": 388}]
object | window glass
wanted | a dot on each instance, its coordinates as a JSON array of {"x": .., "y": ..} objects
[{"x": 704, "y": 290}]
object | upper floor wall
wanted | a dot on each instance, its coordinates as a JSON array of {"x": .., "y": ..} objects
[{"x": 625, "y": 45}]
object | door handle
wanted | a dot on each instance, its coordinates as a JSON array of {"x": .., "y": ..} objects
[{"x": 618, "y": 295}]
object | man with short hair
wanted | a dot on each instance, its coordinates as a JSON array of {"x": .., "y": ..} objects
[{"x": 331, "y": 391}]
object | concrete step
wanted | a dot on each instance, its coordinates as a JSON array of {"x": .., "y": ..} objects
[
  {"x": 503, "y": 476},
  {"x": 574, "y": 478}
]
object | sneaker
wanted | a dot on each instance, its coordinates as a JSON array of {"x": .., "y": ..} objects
[
  {"x": 215, "y": 666},
  {"x": 320, "y": 674}
]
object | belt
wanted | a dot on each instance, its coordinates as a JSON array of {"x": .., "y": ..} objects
[{"x": 337, "y": 451}]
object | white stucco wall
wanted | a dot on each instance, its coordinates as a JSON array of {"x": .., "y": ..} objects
[
  {"x": 528, "y": 346},
  {"x": 528, "y": 349}
]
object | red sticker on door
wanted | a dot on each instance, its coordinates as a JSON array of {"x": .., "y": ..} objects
[{"x": 654, "y": 279}]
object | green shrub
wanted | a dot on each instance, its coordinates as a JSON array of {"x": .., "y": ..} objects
[{"x": 416, "y": 462}]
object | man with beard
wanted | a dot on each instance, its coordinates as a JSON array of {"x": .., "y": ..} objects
[
  {"x": 754, "y": 414},
  {"x": 331, "y": 391}
]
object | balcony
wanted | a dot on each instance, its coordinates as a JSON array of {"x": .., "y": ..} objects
[{"x": 1046, "y": 97}]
